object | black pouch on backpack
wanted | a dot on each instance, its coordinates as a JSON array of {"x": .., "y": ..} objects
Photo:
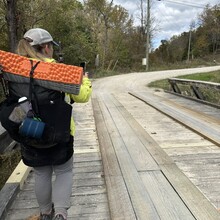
[{"x": 56, "y": 116}]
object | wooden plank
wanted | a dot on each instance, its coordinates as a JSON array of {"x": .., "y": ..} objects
[
  {"x": 81, "y": 216},
  {"x": 141, "y": 201},
  {"x": 95, "y": 216},
  {"x": 77, "y": 176},
  {"x": 87, "y": 164},
  {"x": 88, "y": 169},
  {"x": 75, "y": 200},
  {"x": 168, "y": 204},
  {"x": 7, "y": 195},
  {"x": 78, "y": 183},
  {"x": 151, "y": 145},
  {"x": 76, "y": 210},
  {"x": 199, "y": 107},
  {"x": 198, "y": 123},
  {"x": 117, "y": 190},
  {"x": 12, "y": 186},
  {"x": 178, "y": 151},
  {"x": 84, "y": 151},
  {"x": 140, "y": 156},
  {"x": 87, "y": 157},
  {"x": 21, "y": 214},
  {"x": 191, "y": 144},
  {"x": 198, "y": 204},
  {"x": 88, "y": 175},
  {"x": 110, "y": 162},
  {"x": 20, "y": 174},
  {"x": 88, "y": 208},
  {"x": 81, "y": 190},
  {"x": 119, "y": 201}
]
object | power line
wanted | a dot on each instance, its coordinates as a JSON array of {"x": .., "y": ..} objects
[
  {"x": 184, "y": 3},
  {"x": 202, "y": 6},
  {"x": 163, "y": 16}
]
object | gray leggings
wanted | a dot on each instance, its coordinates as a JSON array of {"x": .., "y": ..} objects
[{"x": 59, "y": 192}]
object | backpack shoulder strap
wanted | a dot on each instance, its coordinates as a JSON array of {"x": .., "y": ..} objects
[
  {"x": 33, "y": 100},
  {"x": 4, "y": 83}
]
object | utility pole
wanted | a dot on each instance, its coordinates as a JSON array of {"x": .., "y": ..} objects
[
  {"x": 148, "y": 35},
  {"x": 192, "y": 25},
  {"x": 189, "y": 45}
]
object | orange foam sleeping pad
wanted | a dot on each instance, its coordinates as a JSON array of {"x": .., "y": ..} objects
[{"x": 58, "y": 76}]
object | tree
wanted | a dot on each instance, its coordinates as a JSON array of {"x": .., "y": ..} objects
[
  {"x": 203, "y": 40},
  {"x": 147, "y": 27},
  {"x": 210, "y": 23},
  {"x": 4, "y": 43},
  {"x": 11, "y": 20},
  {"x": 72, "y": 30},
  {"x": 201, "y": 45},
  {"x": 103, "y": 11}
]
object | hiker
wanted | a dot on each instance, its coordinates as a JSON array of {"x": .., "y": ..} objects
[{"x": 53, "y": 203}]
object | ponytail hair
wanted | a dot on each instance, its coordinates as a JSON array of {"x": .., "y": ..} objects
[{"x": 25, "y": 49}]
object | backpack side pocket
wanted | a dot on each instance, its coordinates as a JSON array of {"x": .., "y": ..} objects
[{"x": 10, "y": 126}]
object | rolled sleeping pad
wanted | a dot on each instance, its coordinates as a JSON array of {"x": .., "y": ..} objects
[{"x": 56, "y": 76}]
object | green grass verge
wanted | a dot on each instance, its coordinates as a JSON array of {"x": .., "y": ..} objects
[
  {"x": 209, "y": 95},
  {"x": 209, "y": 77}
]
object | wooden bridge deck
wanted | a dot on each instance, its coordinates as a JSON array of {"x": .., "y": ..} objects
[{"x": 135, "y": 163}]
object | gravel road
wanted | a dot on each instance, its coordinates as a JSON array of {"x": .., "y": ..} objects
[{"x": 138, "y": 81}]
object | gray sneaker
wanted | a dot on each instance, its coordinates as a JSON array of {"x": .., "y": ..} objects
[
  {"x": 47, "y": 216},
  {"x": 58, "y": 217}
]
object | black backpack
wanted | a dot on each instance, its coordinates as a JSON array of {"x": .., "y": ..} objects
[{"x": 53, "y": 116}]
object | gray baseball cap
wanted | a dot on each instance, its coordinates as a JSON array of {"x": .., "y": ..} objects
[{"x": 37, "y": 36}]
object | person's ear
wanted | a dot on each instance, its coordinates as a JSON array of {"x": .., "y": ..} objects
[{"x": 47, "y": 49}]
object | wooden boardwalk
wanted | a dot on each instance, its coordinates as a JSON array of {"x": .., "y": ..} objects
[{"x": 135, "y": 163}]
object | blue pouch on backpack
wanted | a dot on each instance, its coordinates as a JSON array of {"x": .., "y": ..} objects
[{"x": 32, "y": 127}]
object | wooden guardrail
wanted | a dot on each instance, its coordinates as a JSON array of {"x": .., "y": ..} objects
[{"x": 207, "y": 92}]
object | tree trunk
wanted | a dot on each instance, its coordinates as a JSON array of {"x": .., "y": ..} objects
[{"x": 11, "y": 24}]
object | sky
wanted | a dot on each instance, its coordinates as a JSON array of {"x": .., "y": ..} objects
[{"x": 172, "y": 17}]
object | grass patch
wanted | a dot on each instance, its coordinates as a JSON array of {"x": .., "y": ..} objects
[
  {"x": 209, "y": 77},
  {"x": 8, "y": 162},
  {"x": 105, "y": 73},
  {"x": 210, "y": 95}
]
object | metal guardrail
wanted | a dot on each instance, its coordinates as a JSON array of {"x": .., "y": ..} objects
[{"x": 203, "y": 91}]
